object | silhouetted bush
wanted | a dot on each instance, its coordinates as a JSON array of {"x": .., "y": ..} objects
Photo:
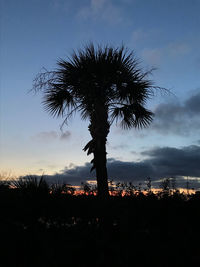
[{"x": 50, "y": 225}]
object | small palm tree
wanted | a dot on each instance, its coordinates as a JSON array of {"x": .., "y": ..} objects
[
  {"x": 104, "y": 84},
  {"x": 31, "y": 184}
]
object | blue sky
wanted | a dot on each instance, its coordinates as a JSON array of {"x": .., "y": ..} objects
[{"x": 34, "y": 34}]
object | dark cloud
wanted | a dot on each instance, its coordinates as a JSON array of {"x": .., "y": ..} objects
[
  {"x": 159, "y": 163},
  {"x": 170, "y": 161},
  {"x": 128, "y": 171},
  {"x": 193, "y": 104},
  {"x": 73, "y": 175},
  {"x": 176, "y": 118}
]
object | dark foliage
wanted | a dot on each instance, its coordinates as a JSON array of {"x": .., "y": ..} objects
[{"x": 50, "y": 226}]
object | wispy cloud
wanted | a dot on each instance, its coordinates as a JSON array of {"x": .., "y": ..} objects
[
  {"x": 178, "y": 49},
  {"x": 152, "y": 56},
  {"x": 60, "y": 5},
  {"x": 66, "y": 135},
  {"x": 105, "y": 10},
  {"x": 141, "y": 36},
  {"x": 118, "y": 147},
  {"x": 46, "y": 137},
  {"x": 171, "y": 51}
]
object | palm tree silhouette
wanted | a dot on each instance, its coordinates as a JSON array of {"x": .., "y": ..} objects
[{"x": 104, "y": 84}]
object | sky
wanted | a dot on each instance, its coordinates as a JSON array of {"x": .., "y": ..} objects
[{"x": 162, "y": 34}]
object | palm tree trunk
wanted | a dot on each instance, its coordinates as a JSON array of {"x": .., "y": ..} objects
[
  {"x": 101, "y": 169},
  {"x": 99, "y": 129}
]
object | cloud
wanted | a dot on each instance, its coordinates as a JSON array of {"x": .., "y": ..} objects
[
  {"x": 139, "y": 35},
  {"x": 178, "y": 118},
  {"x": 118, "y": 147},
  {"x": 101, "y": 9},
  {"x": 178, "y": 49},
  {"x": 169, "y": 161},
  {"x": 152, "y": 56},
  {"x": 66, "y": 135},
  {"x": 193, "y": 104},
  {"x": 46, "y": 137},
  {"x": 142, "y": 36},
  {"x": 173, "y": 51},
  {"x": 159, "y": 163},
  {"x": 98, "y": 4},
  {"x": 61, "y": 5},
  {"x": 72, "y": 175}
]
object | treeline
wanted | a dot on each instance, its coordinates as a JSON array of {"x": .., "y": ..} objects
[
  {"x": 31, "y": 183},
  {"x": 51, "y": 225}
]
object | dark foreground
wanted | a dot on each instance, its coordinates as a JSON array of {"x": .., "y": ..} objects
[{"x": 38, "y": 228}]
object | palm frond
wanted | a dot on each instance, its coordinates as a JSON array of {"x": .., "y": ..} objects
[
  {"x": 56, "y": 101},
  {"x": 133, "y": 115},
  {"x": 99, "y": 74}
]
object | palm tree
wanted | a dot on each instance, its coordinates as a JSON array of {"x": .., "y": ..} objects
[{"x": 104, "y": 84}]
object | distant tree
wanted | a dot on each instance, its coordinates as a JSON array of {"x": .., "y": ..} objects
[
  {"x": 104, "y": 84},
  {"x": 173, "y": 184},
  {"x": 165, "y": 186},
  {"x": 149, "y": 185},
  {"x": 57, "y": 189}
]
